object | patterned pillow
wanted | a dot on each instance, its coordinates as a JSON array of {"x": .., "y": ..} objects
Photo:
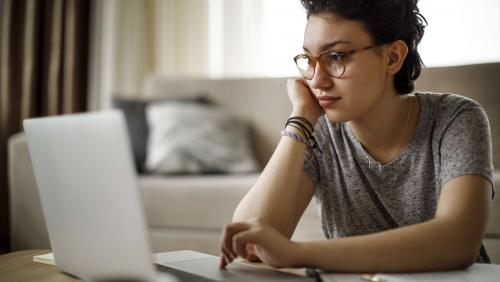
[{"x": 197, "y": 138}]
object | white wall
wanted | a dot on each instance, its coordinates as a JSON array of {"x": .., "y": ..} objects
[{"x": 460, "y": 32}]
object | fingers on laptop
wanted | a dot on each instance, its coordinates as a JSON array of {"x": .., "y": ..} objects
[
  {"x": 225, "y": 258},
  {"x": 229, "y": 253},
  {"x": 251, "y": 256},
  {"x": 242, "y": 242}
]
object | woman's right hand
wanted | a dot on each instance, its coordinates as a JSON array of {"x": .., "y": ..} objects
[{"x": 304, "y": 102}]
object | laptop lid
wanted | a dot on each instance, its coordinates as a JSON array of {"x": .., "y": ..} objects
[{"x": 90, "y": 200}]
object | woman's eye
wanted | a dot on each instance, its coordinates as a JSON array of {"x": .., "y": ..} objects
[
  {"x": 334, "y": 57},
  {"x": 310, "y": 61}
]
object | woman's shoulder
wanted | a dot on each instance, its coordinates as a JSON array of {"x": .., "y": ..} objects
[
  {"x": 444, "y": 109},
  {"x": 447, "y": 105},
  {"x": 446, "y": 100}
]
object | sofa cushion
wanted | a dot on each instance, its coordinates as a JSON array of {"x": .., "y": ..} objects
[
  {"x": 181, "y": 201},
  {"x": 197, "y": 138},
  {"x": 261, "y": 101},
  {"x": 493, "y": 249},
  {"x": 193, "y": 201},
  {"x": 206, "y": 204}
]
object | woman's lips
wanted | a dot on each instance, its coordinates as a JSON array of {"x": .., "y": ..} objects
[{"x": 325, "y": 101}]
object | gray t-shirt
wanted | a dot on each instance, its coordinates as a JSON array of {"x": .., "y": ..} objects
[{"x": 357, "y": 195}]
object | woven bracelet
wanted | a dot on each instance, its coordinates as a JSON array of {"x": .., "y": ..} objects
[{"x": 295, "y": 136}]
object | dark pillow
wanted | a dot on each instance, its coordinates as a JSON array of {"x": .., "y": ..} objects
[{"x": 135, "y": 116}]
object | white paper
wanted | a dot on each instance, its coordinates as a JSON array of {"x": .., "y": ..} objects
[{"x": 45, "y": 258}]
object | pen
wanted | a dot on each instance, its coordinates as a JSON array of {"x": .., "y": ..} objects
[{"x": 314, "y": 273}]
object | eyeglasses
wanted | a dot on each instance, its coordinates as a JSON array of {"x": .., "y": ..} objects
[{"x": 331, "y": 62}]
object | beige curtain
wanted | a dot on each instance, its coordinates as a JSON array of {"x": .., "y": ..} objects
[
  {"x": 179, "y": 38},
  {"x": 155, "y": 36},
  {"x": 43, "y": 70}
]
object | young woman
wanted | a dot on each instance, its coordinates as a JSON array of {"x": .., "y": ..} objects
[{"x": 403, "y": 182}]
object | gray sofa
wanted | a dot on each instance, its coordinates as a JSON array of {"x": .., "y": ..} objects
[{"x": 189, "y": 212}]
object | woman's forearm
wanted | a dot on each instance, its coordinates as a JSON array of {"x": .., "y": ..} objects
[
  {"x": 276, "y": 195},
  {"x": 429, "y": 246},
  {"x": 282, "y": 191}
]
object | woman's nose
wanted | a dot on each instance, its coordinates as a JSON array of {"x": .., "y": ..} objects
[{"x": 320, "y": 79}]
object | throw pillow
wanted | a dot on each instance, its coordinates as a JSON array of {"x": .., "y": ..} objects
[
  {"x": 135, "y": 116},
  {"x": 197, "y": 138}
]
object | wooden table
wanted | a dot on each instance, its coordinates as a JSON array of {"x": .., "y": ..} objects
[{"x": 19, "y": 266}]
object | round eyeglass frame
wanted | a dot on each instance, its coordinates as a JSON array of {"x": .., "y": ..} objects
[{"x": 316, "y": 59}]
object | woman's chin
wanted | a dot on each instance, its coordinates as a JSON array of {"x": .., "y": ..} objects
[{"x": 336, "y": 117}]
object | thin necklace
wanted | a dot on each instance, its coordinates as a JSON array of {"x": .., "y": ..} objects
[{"x": 398, "y": 148}]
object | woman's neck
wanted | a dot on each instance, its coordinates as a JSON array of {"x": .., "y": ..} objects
[{"x": 387, "y": 128}]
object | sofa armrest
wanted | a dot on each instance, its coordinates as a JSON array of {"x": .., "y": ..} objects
[{"x": 27, "y": 225}]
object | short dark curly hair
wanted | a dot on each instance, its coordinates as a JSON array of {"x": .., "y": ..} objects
[{"x": 386, "y": 21}]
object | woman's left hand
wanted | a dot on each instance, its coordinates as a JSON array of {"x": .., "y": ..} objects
[{"x": 259, "y": 238}]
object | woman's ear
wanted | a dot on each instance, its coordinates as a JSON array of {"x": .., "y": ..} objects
[{"x": 396, "y": 54}]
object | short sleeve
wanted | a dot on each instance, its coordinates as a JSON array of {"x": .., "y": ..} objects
[
  {"x": 311, "y": 166},
  {"x": 465, "y": 148},
  {"x": 311, "y": 162}
]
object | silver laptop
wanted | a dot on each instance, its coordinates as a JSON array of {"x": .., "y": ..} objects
[{"x": 93, "y": 209}]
